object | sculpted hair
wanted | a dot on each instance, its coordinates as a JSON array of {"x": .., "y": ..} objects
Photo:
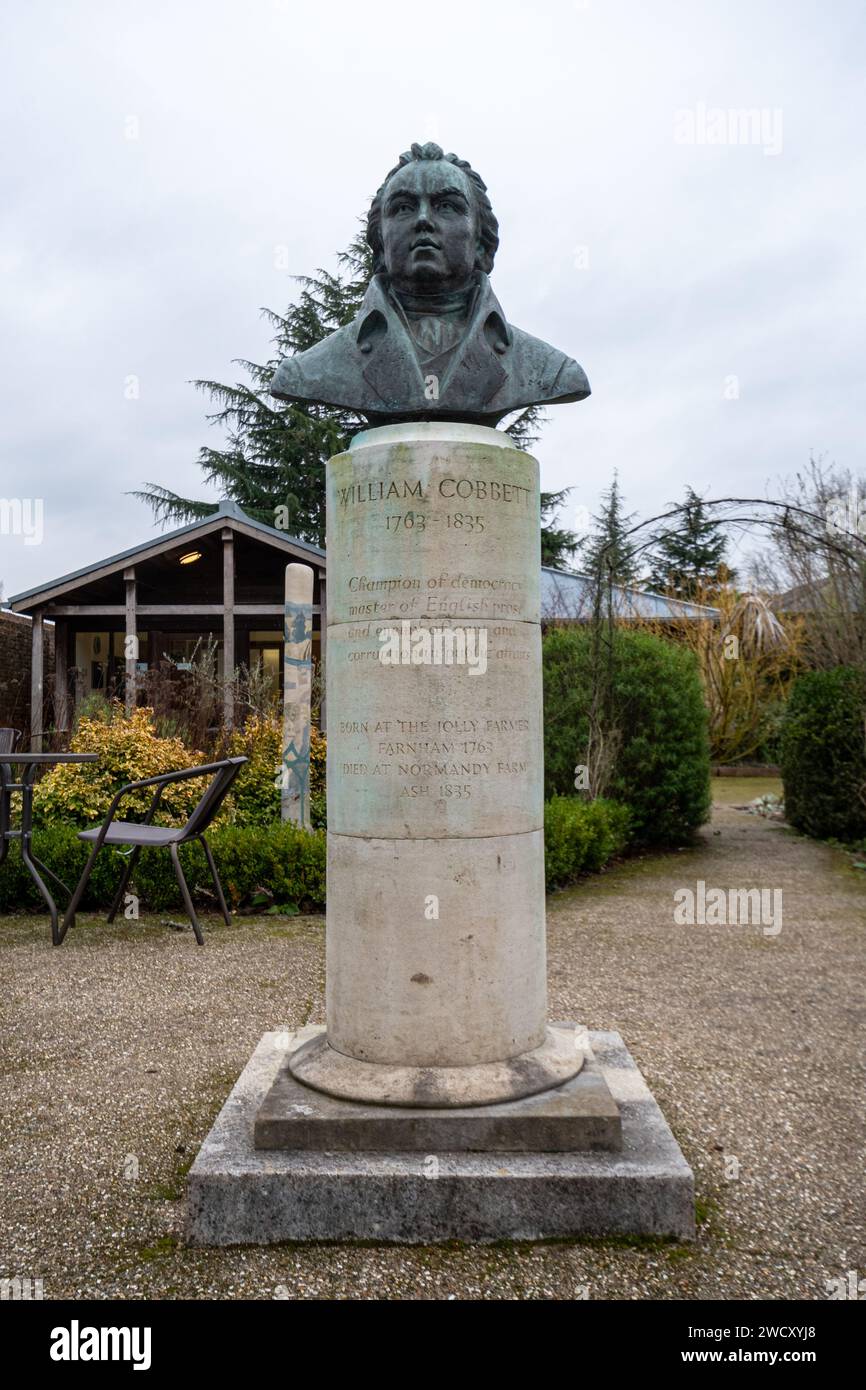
[{"x": 488, "y": 225}]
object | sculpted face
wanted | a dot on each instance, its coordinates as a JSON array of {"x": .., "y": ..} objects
[{"x": 430, "y": 232}]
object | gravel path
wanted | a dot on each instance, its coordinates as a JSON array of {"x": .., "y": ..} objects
[{"x": 119, "y": 1049}]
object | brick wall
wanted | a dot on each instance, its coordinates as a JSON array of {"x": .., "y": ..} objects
[{"x": 15, "y": 647}]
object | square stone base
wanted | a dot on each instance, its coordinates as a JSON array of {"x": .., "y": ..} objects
[
  {"x": 239, "y": 1195},
  {"x": 580, "y": 1115}
]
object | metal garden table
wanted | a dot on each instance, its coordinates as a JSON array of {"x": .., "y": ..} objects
[{"x": 31, "y": 762}]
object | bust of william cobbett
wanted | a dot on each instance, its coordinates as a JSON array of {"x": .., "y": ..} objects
[{"x": 430, "y": 341}]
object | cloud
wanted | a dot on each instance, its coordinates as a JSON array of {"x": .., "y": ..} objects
[{"x": 157, "y": 155}]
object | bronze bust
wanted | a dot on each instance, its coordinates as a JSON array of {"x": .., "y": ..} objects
[{"x": 430, "y": 340}]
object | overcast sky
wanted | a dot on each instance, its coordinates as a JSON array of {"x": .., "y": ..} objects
[{"x": 158, "y": 157}]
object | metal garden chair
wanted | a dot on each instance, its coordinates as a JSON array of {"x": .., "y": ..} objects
[{"x": 143, "y": 835}]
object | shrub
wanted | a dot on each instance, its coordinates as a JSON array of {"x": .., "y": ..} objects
[
  {"x": 283, "y": 859},
  {"x": 318, "y": 759},
  {"x": 653, "y": 729},
  {"x": 93, "y": 706},
  {"x": 255, "y": 798},
  {"x": 287, "y": 861},
  {"x": 748, "y": 659},
  {"x": 129, "y": 750},
  {"x": 581, "y": 836},
  {"x": 59, "y": 848},
  {"x": 824, "y": 754}
]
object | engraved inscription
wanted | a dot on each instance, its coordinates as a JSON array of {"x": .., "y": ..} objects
[
  {"x": 432, "y": 737},
  {"x": 430, "y": 538}
]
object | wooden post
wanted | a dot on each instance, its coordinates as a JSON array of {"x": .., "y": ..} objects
[
  {"x": 131, "y": 643},
  {"x": 36, "y": 677},
  {"x": 228, "y": 627},
  {"x": 323, "y": 640},
  {"x": 80, "y": 674},
  {"x": 61, "y": 676}
]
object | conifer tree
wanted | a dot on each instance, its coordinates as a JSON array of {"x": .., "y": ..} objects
[
  {"x": 689, "y": 551},
  {"x": 607, "y": 552},
  {"x": 557, "y": 544},
  {"x": 274, "y": 452}
]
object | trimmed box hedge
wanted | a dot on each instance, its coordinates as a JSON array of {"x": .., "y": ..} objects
[
  {"x": 581, "y": 836},
  {"x": 289, "y": 864},
  {"x": 824, "y": 754},
  {"x": 286, "y": 861},
  {"x": 655, "y": 721}
]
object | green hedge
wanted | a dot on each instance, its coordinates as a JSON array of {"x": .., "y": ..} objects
[
  {"x": 581, "y": 836},
  {"x": 661, "y": 770},
  {"x": 288, "y": 862},
  {"x": 823, "y": 756}
]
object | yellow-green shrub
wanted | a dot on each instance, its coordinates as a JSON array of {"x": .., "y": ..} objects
[
  {"x": 318, "y": 756},
  {"x": 255, "y": 797},
  {"x": 129, "y": 749}
]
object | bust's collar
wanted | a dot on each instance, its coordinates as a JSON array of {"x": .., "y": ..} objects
[
  {"x": 391, "y": 365},
  {"x": 437, "y": 306},
  {"x": 380, "y": 300}
]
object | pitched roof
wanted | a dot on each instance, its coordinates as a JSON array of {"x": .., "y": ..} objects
[
  {"x": 564, "y": 594},
  {"x": 567, "y": 594},
  {"x": 226, "y": 513}
]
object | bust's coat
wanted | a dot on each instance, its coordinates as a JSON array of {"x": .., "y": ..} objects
[{"x": 371, "y": 366}]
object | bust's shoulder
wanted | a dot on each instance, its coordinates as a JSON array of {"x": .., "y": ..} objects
[
  {"x": 319, "y": 367},
  {"x": 544, "y": 369}
]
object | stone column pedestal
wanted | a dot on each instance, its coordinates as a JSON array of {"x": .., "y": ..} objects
[
  {"x": 439, "y": 1103},
  {"x": 436, "y": 986}
]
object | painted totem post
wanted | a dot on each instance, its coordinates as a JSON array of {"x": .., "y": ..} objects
[{"x": 294, "y": 776}]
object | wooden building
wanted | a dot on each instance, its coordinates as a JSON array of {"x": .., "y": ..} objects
[{"x": 222, "y": 577}]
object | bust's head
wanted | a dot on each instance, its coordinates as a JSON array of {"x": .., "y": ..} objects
[{"x": 430, "y": 225}]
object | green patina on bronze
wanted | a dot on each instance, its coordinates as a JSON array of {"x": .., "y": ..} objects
[{"x": 431, "y": 341}]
